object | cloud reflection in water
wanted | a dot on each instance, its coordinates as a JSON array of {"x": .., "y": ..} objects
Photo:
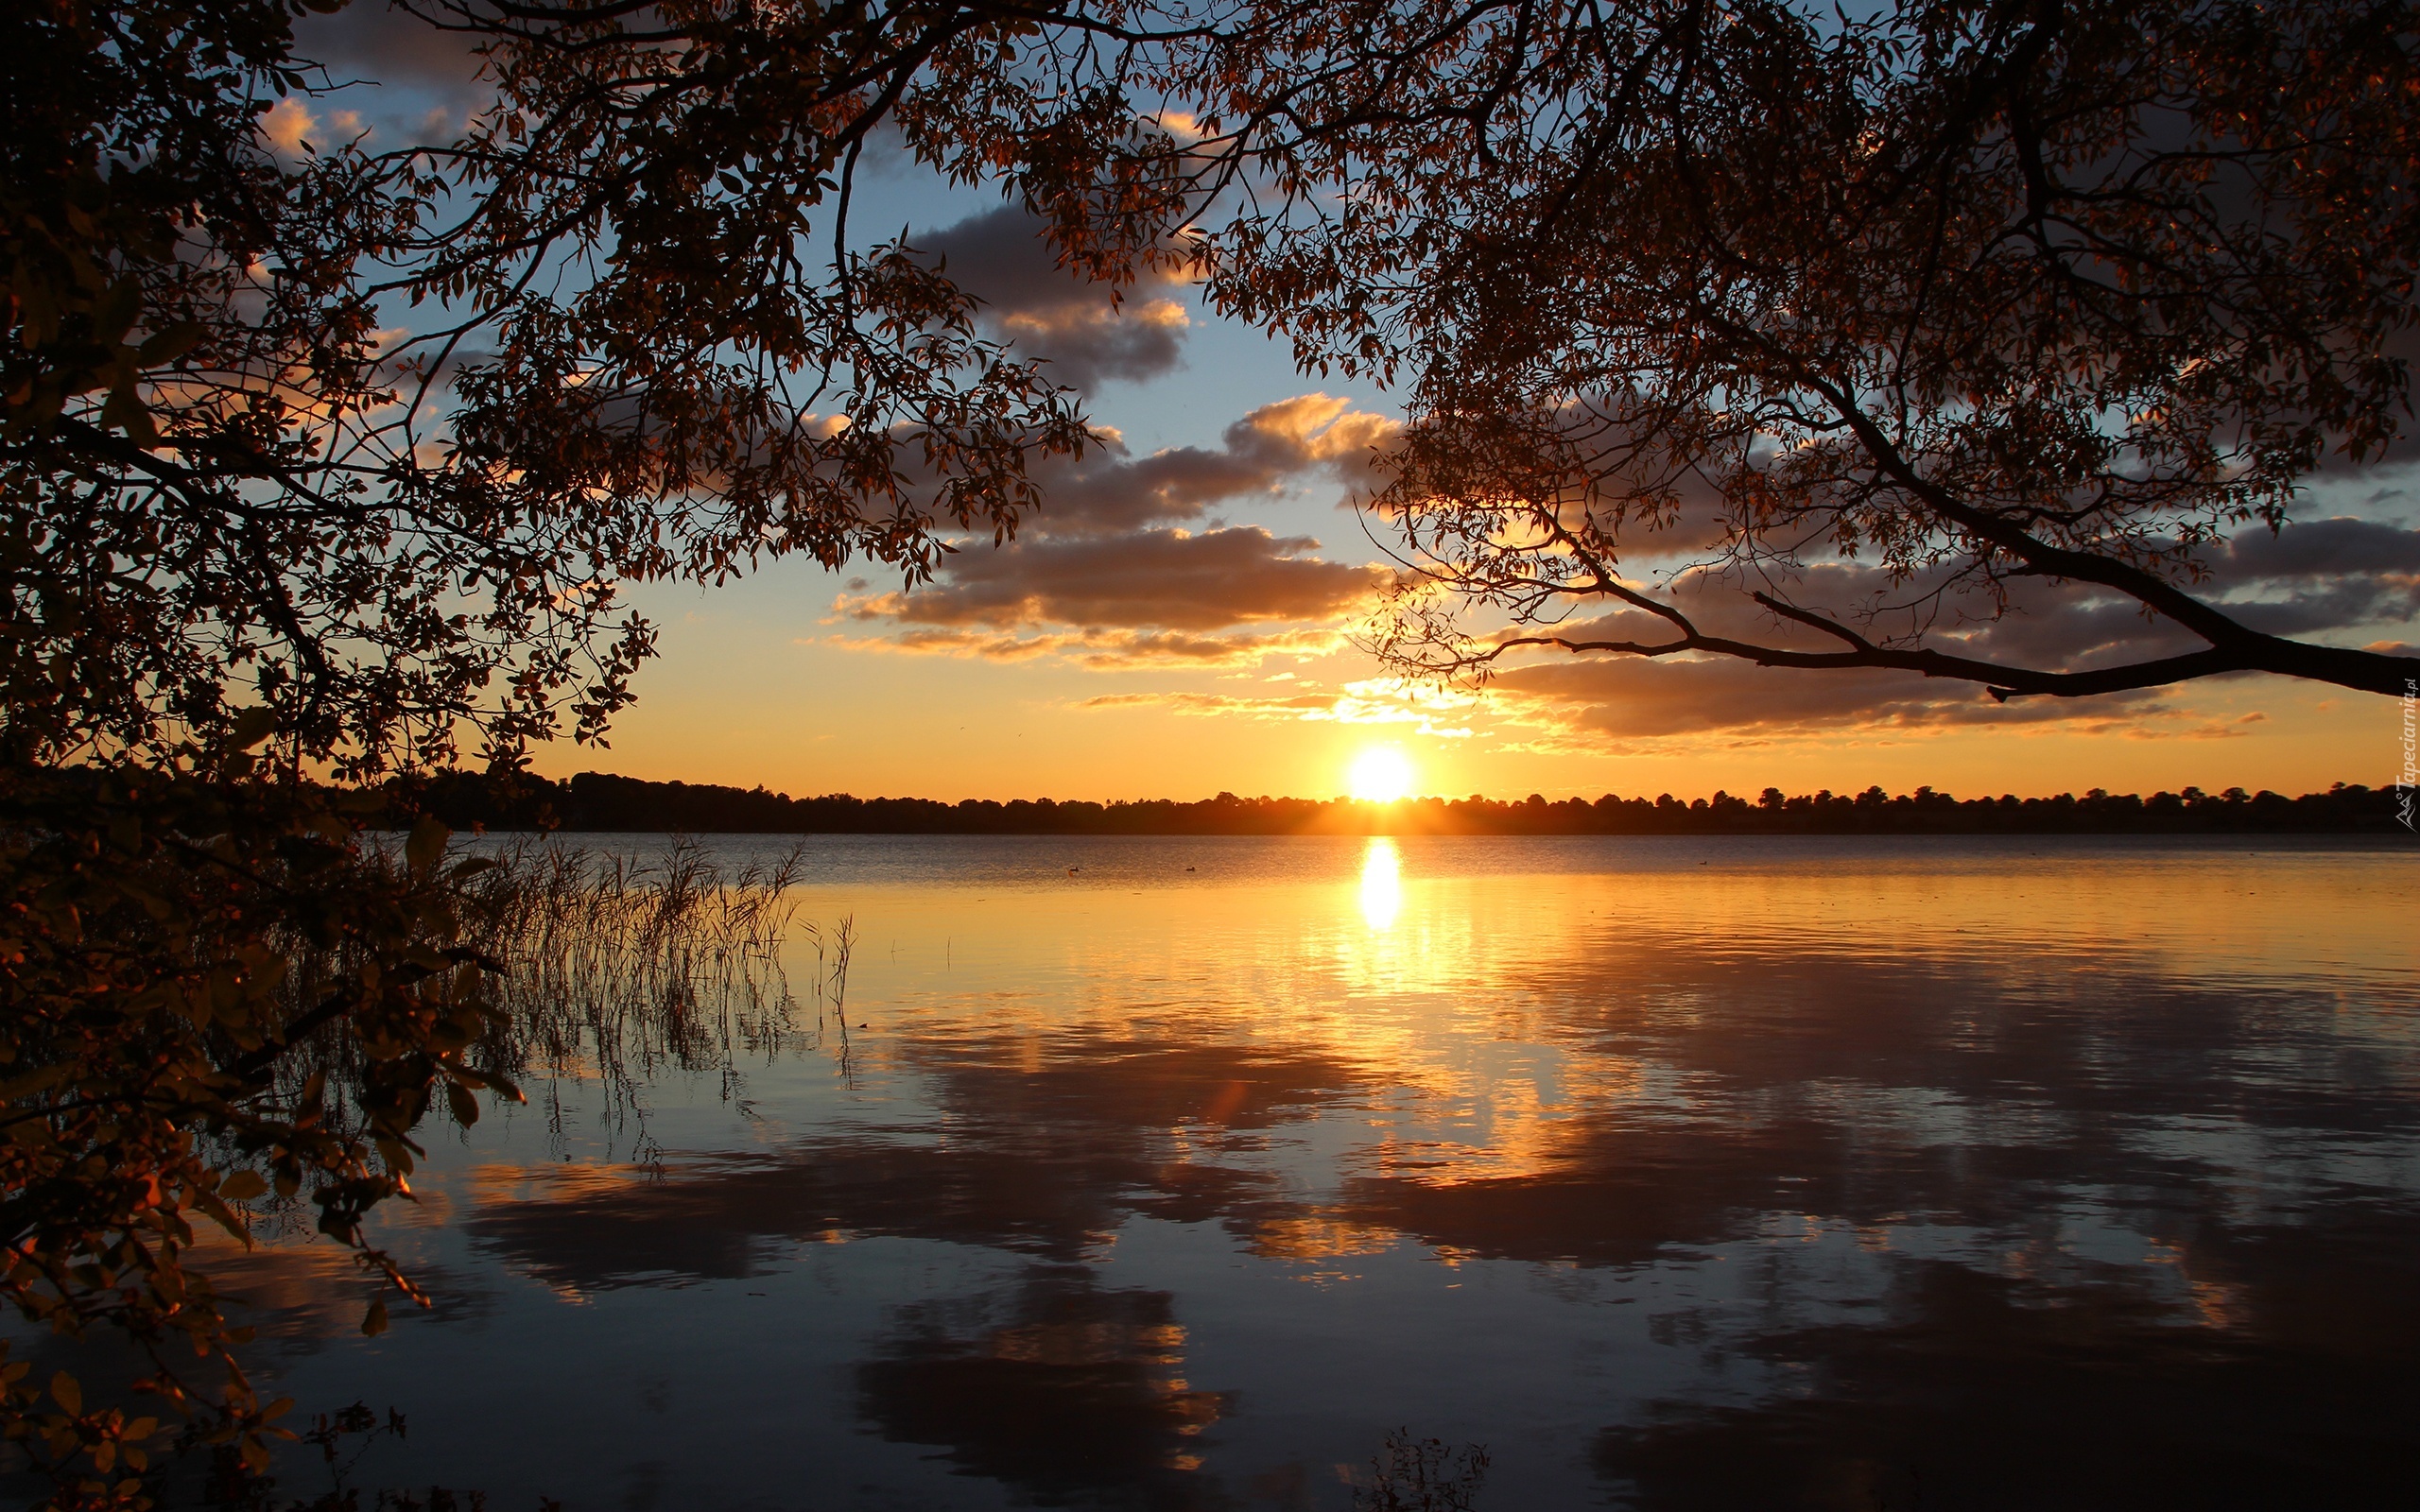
[
  {"x": 1903, "y": 1176},
  {"x": 1061, "y": 1389}
]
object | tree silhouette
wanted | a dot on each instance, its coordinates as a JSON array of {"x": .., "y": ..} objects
[
  {"x": 252, "y": 540},
  {"x": 2023, "y": 305},
  {"x": 321, "y": 460}
]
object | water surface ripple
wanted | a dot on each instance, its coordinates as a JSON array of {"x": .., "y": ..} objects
[{"x": 1172, "y": 1173}]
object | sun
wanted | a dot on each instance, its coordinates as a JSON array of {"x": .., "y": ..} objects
[{"x": 1382, "y": 774}]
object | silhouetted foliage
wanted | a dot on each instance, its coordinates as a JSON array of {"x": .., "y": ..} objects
[
  {"x": 602, "y": 802},
  {"x": 238, "y": 513},
  {"x": 1970, "y": 298},
  {"x": 1994, "y": 292},
  {"x": 175, "y": 955},
  {"x": 624, "y": 365}
]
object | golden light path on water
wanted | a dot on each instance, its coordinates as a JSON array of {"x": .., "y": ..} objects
[{"x": 1381, "y": 884}]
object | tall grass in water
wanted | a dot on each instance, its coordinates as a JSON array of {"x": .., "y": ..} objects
[{"x": 619, "y": 968}]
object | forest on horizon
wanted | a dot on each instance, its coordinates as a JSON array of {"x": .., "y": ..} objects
[{"x": 601, "y": 801}]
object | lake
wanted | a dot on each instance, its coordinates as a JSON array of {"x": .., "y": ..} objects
[{"x": 1753, "y": 1173}]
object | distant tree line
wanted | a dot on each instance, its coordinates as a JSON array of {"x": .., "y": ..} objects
[{"x": 601, "y": 801}]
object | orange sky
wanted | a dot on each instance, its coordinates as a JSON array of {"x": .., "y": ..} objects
[
  {"x": 1174, "y": 622},
  {"x": 755, "y": 687}
]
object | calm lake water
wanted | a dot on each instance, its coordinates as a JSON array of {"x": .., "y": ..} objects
[{"x": 1722, "y": 1174}]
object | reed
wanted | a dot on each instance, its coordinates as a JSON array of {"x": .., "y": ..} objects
[{"x": 619, "y": 968}]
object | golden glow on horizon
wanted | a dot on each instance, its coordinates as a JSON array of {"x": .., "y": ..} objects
[
  {"x": 1382, "y": 774},
  {"x": 1381, "y": 884}
]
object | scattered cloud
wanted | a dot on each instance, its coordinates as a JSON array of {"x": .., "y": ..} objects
[
  {"x": 1102, "y": 650},
  {"x": 1373, "y": 701},
  {"x": 1280, "y": 445},
  {"x": 1635, "y": 697},
  {"x": 384, "y": 43},
  {"x": 2337, "y": 578},
  {"x": 1112, "y": 575},
  {"x": 1089, "y": 333},
  {"x": 290, "y": 126},
  {"x": 1170, "y": 579}
]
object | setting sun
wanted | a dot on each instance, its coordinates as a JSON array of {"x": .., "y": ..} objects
[{"x": 1382, "y": 774}]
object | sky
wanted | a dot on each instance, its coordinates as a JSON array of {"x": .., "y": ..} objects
[{"x": 1180, "y": 618}]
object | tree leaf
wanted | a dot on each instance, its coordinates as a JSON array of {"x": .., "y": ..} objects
[
  {"x": 375, "y": 1321},
  {"x": 253, "y": 726},
  {"x": 427, "y": 845},
  {"x": 170, "y": 342},
  {"x": 116, "y": 309},
  {"x": 243, "y": 1186},
  {"x": 125, "y": 411},
  {"x": 34, "y": 1081}
]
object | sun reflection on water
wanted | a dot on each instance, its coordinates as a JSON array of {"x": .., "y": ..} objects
[
  {"x": 1567, "y": 1087},
  {"x": 1381, "y": 884}
]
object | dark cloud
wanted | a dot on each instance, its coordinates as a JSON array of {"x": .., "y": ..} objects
[
  {"x": 2339, "y": 579},
  {"x": 1310, "y": 436},
  {"x": 1168, "y": 579},
  {"x": 1045, "y": 1162},
  {"x": 1065, "y": 1390},
  {"x": 1636, "y": 697},
  {"x": 2334, "y": 573},
  {"x": 2321, "y": 575},
  {"x": 1109, "y": 580},
  {"x": 418, "y": 65},
  {"x": 1087, "y": 331},
  {"x": 2319, "y": 547}
]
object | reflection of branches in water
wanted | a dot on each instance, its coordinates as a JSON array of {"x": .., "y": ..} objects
[
  {"x": 1421, "y": 1476},
  {"x": 619, "y": 968},
  {"x": 234, "y": 1486}
]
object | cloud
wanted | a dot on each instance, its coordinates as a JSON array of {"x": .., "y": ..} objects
[
  {"x": 1372, "y": 701},
  {"x": 1108, "y": 576},
  {"x": 1635, "y": 697},
  {"x": 1309, "y": 435},
  {"x": 1087, "y": 331},
  {"x": 290, "y": 126},
  {"x": 1168, "y": 579},
  {"x": 2310, "y": 548},
  {"x": 1110, "y": 650},
  {"x": 2337, "y": 578},
  {"x": 1293, "y": 706},
  {"x": 2321, "y": 576},
  {"x": 379, "y": 43}
]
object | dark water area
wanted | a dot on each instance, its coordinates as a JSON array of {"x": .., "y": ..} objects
[{"x": 1175, "y": 1174}]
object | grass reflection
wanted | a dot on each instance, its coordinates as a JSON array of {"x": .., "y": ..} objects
[
  {"x": 620, "y": 968},
  {"x": 1907, "y": 1216}
]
